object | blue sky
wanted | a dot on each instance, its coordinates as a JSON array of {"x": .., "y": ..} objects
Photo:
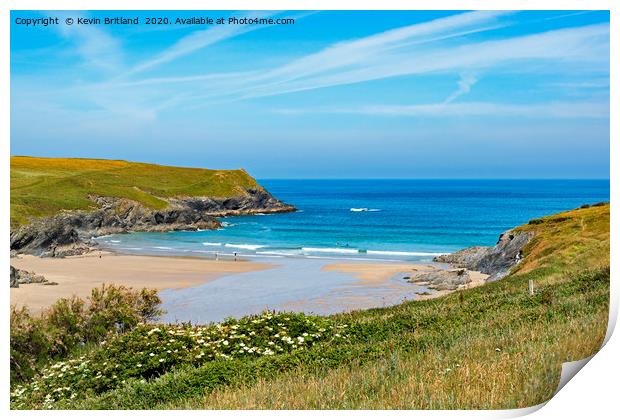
[{"x": 339, "y": 94}]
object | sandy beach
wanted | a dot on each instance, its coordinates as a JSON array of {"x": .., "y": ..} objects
[
  {"x": 370, "y": 284},
  {"x": 79, "y": 275},
  {"x": 377, "y": 273}
]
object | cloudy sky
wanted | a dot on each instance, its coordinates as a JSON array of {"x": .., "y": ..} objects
[{"x": 336, "y": 95}]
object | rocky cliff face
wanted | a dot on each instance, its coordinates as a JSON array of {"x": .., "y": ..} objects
[
  {"x": 496, "y": 261},
  {"x": 69, "y": 233}
]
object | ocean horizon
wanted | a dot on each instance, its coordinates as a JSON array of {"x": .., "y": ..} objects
[{"x": 374, "y": 219}]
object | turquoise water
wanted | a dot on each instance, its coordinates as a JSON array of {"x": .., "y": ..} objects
[
  {"x": 408, "y": 220},
  {"x": 339, "y": 221}
]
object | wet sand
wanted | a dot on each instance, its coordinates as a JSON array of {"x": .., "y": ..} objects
[
  {"x": 377, "y": 273},
  {"x": 293, "y": 284},
  {"x": 382, "y": 274},
  {"x": 79, "y": 275}
]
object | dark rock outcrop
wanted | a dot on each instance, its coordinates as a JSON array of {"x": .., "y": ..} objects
[
  {"x": 25, "y": 277},
  {"x": 70, "y": 232},
  {"x": 14, "y": 280},
  {"x": 467, "y": 257},
  {"x": 508, "y": 252},
  {"x": 254, "y": 202},
  {"x": 442, "y": 279},
  {"x": 496, "y": 261}
]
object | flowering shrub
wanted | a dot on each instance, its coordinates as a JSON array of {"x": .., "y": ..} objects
[
  {"x": 148, "y": 351},
  {"x": 74, "y": 322}
]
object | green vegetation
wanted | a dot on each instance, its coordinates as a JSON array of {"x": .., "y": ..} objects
[
  {"x": 150, "y": 351},
  {"x": 72, "y": 323},
  {"x": 44, "y": 186},
  {"x": 572, "y": 240},
  {"x": 494, "y": 346}
]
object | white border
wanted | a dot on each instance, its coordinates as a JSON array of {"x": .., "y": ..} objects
[{"x": 594, "y": 391}]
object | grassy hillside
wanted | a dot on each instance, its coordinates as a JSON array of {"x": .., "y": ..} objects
[
  {"x": 490, "y": 347},
  {"x": 567, "y": 241},
  {"x": 43, "y": 186}
]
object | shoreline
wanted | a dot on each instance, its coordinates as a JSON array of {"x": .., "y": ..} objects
[
  {"x": 225, "y": 249},
  {"x": 78, "y": 275}
]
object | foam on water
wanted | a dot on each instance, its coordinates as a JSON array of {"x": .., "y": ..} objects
[
  {"x": 405, "y": 253},
  {"x": 245, "y": 246},
  {"x": 407, "y": 220},
  {"x": 331, "y": 250}
]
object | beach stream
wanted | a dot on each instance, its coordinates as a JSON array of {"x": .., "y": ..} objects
[{"x": 293, "y": 284}]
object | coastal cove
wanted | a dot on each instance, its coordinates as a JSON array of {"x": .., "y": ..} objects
[
  {"x": 393, "y": 220},
  {"x": 350, "y": 244},
  {"x": 411, "y": 222}
]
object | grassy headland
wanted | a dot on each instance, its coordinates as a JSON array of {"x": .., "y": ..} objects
[
  {"x": 494, "y": 346},
  {"x": 44, "y": 186}
]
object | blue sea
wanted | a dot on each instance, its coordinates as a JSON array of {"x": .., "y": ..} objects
[{"x": 405, "y": 220}]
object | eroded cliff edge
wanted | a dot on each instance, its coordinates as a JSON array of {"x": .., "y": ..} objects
[
  {"x": 496, "y": 261},
  {"x": 70, "y": 232}
]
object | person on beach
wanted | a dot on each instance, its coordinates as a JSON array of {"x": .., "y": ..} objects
[{"x": 235, "y": 254}]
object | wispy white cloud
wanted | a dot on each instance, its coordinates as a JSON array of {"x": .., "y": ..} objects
[
  {"x": 597, "y": 83},
  {"x": 417, "y": 49},
  {"x": 464, "y": 86},
  {"x": 571, "y": 14},
  {"x": 97, "y": 48},
  {"x": 210, "y": 77},
  {"x": 341, "y": 56},
  {"x": 396, "y": 52},
  {"x": 486, "y": 109},
  {"x": 581, "y": 45},
  {"x": 408, "y": 51},
  {"x": 198, "y": 40},
  {"x": 364, "y": 50}
]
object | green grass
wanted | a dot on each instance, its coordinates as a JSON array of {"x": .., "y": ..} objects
[
  {"x": 490, "y": 347},
  {"x": 44, "y": 186},
  {"x": 567, "y": 241}
]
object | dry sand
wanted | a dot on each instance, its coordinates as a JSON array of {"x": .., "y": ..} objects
[{"x": 79, "y": 275}]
